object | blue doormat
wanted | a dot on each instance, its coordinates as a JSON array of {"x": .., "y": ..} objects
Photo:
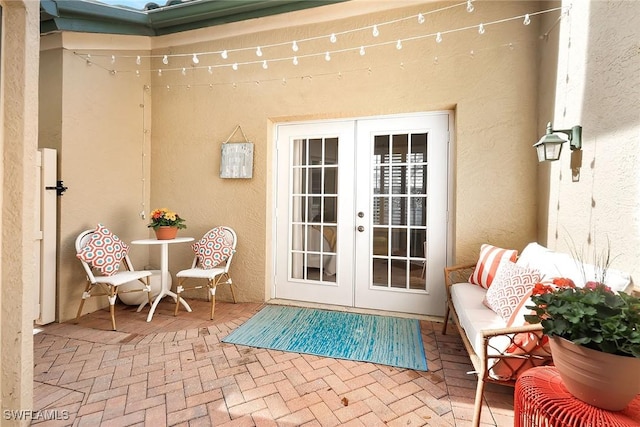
[{"x": 386, "y": 340}]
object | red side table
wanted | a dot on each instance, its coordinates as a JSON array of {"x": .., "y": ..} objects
[{"x": 541, "y": 399}]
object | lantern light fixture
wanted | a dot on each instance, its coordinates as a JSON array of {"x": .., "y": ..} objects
[{"x": 549, "y": 146}]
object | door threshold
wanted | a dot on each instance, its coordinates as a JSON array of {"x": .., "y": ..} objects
[{"x": 306, "y": 304}]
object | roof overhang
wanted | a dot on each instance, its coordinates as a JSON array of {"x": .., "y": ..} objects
[{"x": 94, "y": 17}]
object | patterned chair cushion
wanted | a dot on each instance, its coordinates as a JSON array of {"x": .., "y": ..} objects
[
  {"x": 213, "y": 248},
  {"x": 104, "y": 251}
]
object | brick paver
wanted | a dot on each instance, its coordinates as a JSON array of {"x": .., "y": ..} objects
[{"x": 176, "y": 371}]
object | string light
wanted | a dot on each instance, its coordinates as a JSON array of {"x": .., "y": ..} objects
[
  {"x": 333, "y": 38},
  {"x": 113, "y": 59},
  {"x": 470, "y": 7},
  {"x": 184, "y": 71},
  {"x": 264, "y": 64},
  {"x": 224, "y": 54},
  {"x": 294, "y": 44},
  {"x": 235, "y": 66},
  {"x": 159, "y": 72},
  {"x": 295, "y": 60},
  {"x": 362, "y": 51},
  {"x": 210, "y": 69},
  {"x": 327, "y": 57}
]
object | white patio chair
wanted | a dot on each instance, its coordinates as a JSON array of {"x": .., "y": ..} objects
[
  {"x": 101, "y": 251},
  {"x": 212, "y": 260}
]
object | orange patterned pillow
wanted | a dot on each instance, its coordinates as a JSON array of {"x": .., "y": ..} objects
[
  {"x": 213, "y": 249},
  {"x": 488, "y": 263},
  {"x": 104, "y": 251},
  {"x": 510, "y": 285}
]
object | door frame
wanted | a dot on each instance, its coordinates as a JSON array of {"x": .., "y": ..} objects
[{"x": 271, "y": 235}]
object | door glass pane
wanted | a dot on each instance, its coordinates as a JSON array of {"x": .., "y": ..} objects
[
  {"x": 381, "y": 149},
  {"x": 399, "y": 206},
  {"x": 314, "y": 212}
]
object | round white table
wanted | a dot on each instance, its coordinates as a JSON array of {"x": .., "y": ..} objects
[{"x": 164, "y": 270}]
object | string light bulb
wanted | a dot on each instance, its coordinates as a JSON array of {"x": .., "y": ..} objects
[
  {"x": 420, "y": 18},
  {"x": 137, "y": 73},
  {"x": 159, "y": 72},
  {"x": 258, "y": 51},
  {"x": 235, "y": 66},
  {"x": 295, "y": 60},
  {"x": 264, "y": 64},
  {"x": 327, "y": 57},
  {"x": 438, "y": 37},
  {"x": 527, "y": 19},
  {"x": 362, "y": 51},
  {"x": 294, "y": 46},
  {"x": 333, "y": 38},
  {"x": 113, "y": 59},
  {"x": 399, "y": 44},
  {"x": 138, "y": 60},
  {"x": 165, "y": 60},
  {"x": 481, "y": 29},
  {"x": 89, "y": 63},
  {"x": 375, "y": 31},
  {"x": 195, "y": 59},
  {"x": 210, "y": 69},
  {"x": 224, "y": 54},
  {"x": 184, "y": 71},
  {"x": 470, "y": 7}
]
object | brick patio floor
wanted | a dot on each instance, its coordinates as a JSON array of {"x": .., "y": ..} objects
[{"x": 174, "y": 371}]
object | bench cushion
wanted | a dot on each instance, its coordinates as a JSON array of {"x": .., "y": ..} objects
[{"x": 552, "y": 264}]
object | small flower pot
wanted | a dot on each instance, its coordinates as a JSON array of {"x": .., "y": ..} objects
[
  {"x": 166, "y": 233},
  {"x": 604, "y": 380}
]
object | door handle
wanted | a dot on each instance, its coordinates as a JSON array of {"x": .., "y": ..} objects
[{"x": 360, "y": 228}]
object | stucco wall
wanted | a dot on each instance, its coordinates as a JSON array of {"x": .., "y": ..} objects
[
  {"x": 492, "y": 91},
  {"x": 598, "y": 87},
  {"x": 489, "y": 80},
  {"x": 18, "y": 143},
  {"x": 97, "y": 123}
]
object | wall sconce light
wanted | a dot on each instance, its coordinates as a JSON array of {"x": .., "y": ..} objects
[{"x": 550, "y": 145}]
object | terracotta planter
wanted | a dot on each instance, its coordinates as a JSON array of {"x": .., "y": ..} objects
[
  {"x": 604, "y": 380},
  {"x": 166, "y": 233}
]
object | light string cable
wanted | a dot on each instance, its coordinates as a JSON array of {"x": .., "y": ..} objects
[
  {"x": 327, "y": 54},
  {"x": 224, "y": 53}
]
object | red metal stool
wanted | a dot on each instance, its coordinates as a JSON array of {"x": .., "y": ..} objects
[{"x": 541, "y": 399}]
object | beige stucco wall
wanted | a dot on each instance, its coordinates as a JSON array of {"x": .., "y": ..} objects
[
  {"x": 100, "y": 125},
  {"x": 18, "y": 143},
  {"x": 598, "y": 87},
  {"x": 492, "y": 91}
]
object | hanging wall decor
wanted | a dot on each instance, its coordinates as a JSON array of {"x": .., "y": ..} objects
[{"x": 237, "y": 158}]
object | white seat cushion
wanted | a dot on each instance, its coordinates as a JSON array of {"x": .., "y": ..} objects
[{"x": 473, "y": 315}]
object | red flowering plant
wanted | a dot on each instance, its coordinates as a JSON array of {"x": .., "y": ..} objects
[
  {"x": 593, "y": 316},
  {"x": 165, "y": 217}
]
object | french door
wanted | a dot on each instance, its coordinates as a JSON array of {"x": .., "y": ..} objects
[{"x": 361, "y": 212}]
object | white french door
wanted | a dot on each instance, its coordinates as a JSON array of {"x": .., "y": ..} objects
[{"x": 361, "y": 212}]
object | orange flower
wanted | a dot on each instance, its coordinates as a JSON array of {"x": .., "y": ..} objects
[
  {"x": 541, "y": 288},
  {"x": 563, "y": 282}
]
